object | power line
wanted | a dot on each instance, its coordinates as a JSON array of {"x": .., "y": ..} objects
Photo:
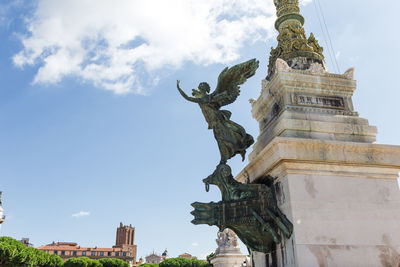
[
  {"x": 329, "y": 36},
  {"x": 323, "y": 33},
  {"x": 318, "y": 3}
]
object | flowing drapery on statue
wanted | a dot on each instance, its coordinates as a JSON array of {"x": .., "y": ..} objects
[
  {"x": 250, "y": 210},
  {"x": 232, "y": 138}
]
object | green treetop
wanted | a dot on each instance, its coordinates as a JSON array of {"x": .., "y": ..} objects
[{"x": 293, "y": 45}]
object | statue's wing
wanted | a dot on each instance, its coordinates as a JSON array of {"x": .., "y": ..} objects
[{"x": 229, "y": 80}]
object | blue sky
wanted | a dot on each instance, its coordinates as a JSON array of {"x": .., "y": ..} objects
[{"x": 91, "y": 122}]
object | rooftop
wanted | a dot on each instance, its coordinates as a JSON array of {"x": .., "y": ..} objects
[{"x": 69, "y": 246}]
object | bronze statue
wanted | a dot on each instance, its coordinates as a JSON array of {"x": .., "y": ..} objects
[
  {"x": 250, "y": 210},
  {"x": 232, "y": 138}
]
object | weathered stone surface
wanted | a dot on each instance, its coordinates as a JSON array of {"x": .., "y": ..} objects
[
  {"x": 316, "y": 126},
  {"x": 342, "y": 197},
  {"x": 309, "y": 104},
  {"x": 227, "y": 242},
  {"x": 318, "y": 157},
  {"x": 228, "y": 253},
  {"x": 337, "y": 186}
]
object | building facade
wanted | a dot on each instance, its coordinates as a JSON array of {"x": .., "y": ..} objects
[
  {"x": 124, "y": 249},
  {"x": 187, "y": 256},
  {"x": 155, "y": 258},
  {"x": 25, "y": 241}
]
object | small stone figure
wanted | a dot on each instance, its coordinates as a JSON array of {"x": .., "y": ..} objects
[
  {"x": 228, "y": 253},
  {"x": 232, "y": 138},
  {"x": 2, "y": 217},
  {"x": 227, "y": 242}
]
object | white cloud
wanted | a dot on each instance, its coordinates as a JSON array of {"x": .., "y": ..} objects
[
  {"x": 195, "y": 244},
  {"x": 122, "y": 45},
  {"x": 81, "y": 214}
]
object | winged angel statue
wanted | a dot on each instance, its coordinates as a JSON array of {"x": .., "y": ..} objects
[{"x": 232, "y": 138}]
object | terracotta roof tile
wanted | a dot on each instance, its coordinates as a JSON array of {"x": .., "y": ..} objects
[{"x": 77, "y": 248}]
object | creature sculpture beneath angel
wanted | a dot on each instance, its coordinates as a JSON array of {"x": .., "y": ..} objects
[{"x": 232, "y": 138}]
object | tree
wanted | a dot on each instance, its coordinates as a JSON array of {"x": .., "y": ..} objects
[
  {"x": 182, "y": 262},
  {"x": 14, "y": 253},
  {"x": 82, "y": 262},
  {"x": 149, "y": 265},
  {"x": 209, "y": 256},
  {"x": 107, "y": 262},
  {"x": 200, "y": 263}
]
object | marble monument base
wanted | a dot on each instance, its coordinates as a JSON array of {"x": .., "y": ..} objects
[
  {"x": 342, "y": 197},
  {"x": 228, "y": 253},
  {"x": 228, "y": 260}
]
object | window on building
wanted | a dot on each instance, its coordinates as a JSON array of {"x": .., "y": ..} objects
[
  {"x": 109, "y": 254},
  {"x": 93, "y": 253},
  {"x": 101, "y": 253},
  {"x": 74, "y": 253},
  {"x": 63, "y": 252},
  {"x": 116, "y": 253},
  {"x": 56, "y": 252},
  {"x": 83, "y": 253},
  {"x": 124, "y": 254}
]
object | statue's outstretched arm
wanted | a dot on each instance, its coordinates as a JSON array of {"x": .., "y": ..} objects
[{"x": 188, "y": 98}]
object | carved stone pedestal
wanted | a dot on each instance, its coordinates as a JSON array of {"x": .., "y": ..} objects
[
  {"x": 228, "y": 252},
  {"x": 336, "y": 186},
  {"x": 228, "y": 260}
]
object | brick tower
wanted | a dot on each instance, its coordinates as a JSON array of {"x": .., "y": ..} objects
[
  {"x": 126, "y": 239},
  {"x": 125, "y": 235}
]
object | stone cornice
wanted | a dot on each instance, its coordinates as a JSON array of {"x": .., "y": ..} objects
[{"x": 298, "y": 150}]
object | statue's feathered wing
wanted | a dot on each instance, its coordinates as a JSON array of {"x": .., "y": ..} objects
[{"x": 229, "y": 80}]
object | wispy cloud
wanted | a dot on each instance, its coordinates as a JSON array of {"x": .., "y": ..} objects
[
  {"x": 6, "y": 9},
  {"x": 195, "y": 244},
  {"x": 81, "y": 214},
  {"x": 122, "y": 45}
]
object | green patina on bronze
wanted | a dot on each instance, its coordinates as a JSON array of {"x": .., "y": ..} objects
[
  {"x": 251, "y": 210},
  {"x": 232, "y": 139},
  {"x": 292, "y": 40}
]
